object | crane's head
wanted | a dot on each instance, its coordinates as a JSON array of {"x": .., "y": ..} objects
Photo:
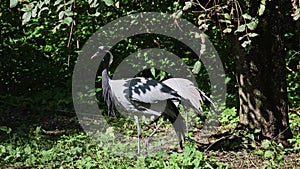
[{"x": 108, "y": 57}]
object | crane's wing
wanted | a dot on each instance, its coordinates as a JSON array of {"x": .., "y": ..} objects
[
  {"x": 150, "y": 91},
  {"x": 122, "y": 101},
  {"x": 153, "y": 93},
  {"x": 186, "y": 89}
]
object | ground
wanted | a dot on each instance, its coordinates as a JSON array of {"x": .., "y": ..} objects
[{"x": 229, "y": 147}]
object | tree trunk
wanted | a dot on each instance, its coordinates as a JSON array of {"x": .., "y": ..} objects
[{"x": 261, "y": 75}]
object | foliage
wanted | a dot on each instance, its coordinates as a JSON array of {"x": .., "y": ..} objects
[
  {"x": 39, "y": 47},
  {"x": 230, "y": 16},
  {"x": 293, "y": 67},
  {"x": 296, "y": 10},
  {"x": 40, "y": 149},
  {"x": 229, "y": 116},
  {"x": 78, "y": 151},
  {"x": 295, "y": 127}
]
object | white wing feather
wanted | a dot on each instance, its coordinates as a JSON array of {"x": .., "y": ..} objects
[{"x": 186, "y": 89}]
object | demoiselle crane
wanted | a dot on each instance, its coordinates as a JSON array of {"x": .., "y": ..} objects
[{"x": 142, "y": 96}]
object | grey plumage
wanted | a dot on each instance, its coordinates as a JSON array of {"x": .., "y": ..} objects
[
  {"x": 186, "y": 89},
  {"x": 194, "y": 96}
]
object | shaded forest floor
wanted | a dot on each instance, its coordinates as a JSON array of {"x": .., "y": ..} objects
[{"x": 45, "y": 140}]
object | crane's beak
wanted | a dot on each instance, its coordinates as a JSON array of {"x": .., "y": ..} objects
[
  {"x": 94, "y": 56},
  {"x": 101, "y": 49}
]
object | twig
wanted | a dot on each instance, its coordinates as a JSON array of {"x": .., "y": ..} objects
[
  {"x": 280, "y": 134},
  {"x": 203, "y": 8},
  {"x": 209, "y": 165},
  {"x": 175, "y": 17},
  {"x": 295, "y": 111},
  {"x": 11, "y": 104},
  {"x": 222, "y": 138},
  {"x": 71, "y": 32}
]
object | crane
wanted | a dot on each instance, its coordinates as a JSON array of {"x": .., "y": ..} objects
[{"x": 142, "y": 96}]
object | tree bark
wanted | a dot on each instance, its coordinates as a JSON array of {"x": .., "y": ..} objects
[{"x": 261, "y": 74}]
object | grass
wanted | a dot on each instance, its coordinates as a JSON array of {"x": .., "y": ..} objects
[{"x": 57, "y": 141}]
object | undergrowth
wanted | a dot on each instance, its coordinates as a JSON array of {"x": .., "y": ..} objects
[{"x": 44, "y": 149}]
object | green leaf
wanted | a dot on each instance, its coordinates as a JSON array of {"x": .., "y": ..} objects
[
  {"x": 262, "y": 8},
  {"x": 2, "y": 149},
  {"x": 241, "y": 28},
  {"x": 252, "y": 35},
  {"x": 117, "y": 5},
  {"x": 69, "y": 13},
  {"x": 259, "y": 152},
  {"x": 109, "y": 2},
  {"x": 269, "y": 154},
  {"x": 44, "y": 8},
  {"x": 257, "y": 131},
  {"x": 296, "y": 14},
  {"x": 57, "y": 2},
  {"x": 34, "y": 11},
  {"x": 46, "y": 2},
  {"x": 98, "y": 89},
  {"x": 197, "y": 67},
  {"x": 152, "y": 70},
  {"x": 61, "y": 14},
  {"x": 227, "y": 80},
  {"x": 246, "y": 43},
  {"x": 37, "y": 130},
  {"x": 59, "y": 7},
  {"x": 266, "y": 144},
  {"x": 241, "y": 37},
  {"x": 93, "y": 3},
  {"x": 162, "y": 75},
  {"x": 110, "y": 132},
  {"x": 187, "y": 5},
  {"x": 27, "y": 150},
  {"x": 179, "y": 14},
  {"x": 97, "y": 13},
  {"x": 253, "y": 24},
  {"x": 13, "y": 3},
  {"x": 28, "y": 7},
  {"x": 227, "y": 16},
  {"x": 227, "y": 30},
  {"x": 247, "y": 16},
  {"x": 67, "y": 20},
  {"x": 5, "y": 129},
  {"x": 225, "y": 21},
  {"x": 40, "y": 4},
  {"x": 26, "y": 17}
]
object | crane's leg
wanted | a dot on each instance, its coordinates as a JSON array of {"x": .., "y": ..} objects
[
  {"x": 186, "y": 122},
  {"x": 186, "y": 118},
  {"x": 139, "y": 133},
  {"x": 150, "y": 136}
]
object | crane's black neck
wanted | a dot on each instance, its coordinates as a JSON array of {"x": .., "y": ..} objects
[
  {"x": 105, "y": 61},
  {"x": 105, "y": 64},
  {"x": 106, "y": 90},
  {"x": 104, "y": 67}
]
